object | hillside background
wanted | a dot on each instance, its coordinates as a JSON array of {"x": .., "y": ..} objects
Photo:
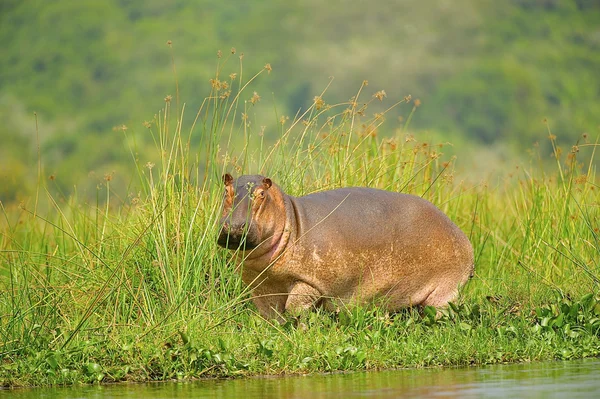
[{"x": 487, "y": 73}]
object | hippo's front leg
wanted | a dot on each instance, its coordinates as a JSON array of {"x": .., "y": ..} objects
[
  {"x": 270, "y": 306},
  {"x": 301, "y": 297}
]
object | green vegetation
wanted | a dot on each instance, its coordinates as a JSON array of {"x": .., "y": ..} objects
[
  {"x": 135, "y": 288},
  {"x": 487, "y": 72}
]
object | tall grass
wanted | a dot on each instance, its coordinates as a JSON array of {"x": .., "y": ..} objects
[{"x": 140, "y": 290}]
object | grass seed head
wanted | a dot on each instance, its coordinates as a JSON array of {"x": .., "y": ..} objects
[
  {"x": 216, "y": 84},
  {"x": 121, "y": 128},
  {"x": 319, "y": 103},
  {"x": 581, "y": 179},
  {"x": 380, "y": 95},
  {"x": 392, "y": 143},
  {"x": 558, "y": 152}
]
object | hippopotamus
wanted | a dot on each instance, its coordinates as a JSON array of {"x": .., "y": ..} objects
[{"x": 343, "y": 247}]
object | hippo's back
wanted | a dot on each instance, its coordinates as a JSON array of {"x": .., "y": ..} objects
[{"x": 365, "y": 215}]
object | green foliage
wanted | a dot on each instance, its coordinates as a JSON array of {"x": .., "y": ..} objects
[
  {"x": 493, "y": 113},
  {"x": 135, "y": 288},
  {"x": 486, "y": 72},
  {"x": 531, "y": 65}
]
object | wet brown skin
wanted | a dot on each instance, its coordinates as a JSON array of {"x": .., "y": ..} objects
[{"x": 346, "y": 246}]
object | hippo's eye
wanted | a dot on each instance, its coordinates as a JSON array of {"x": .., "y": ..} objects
[{"x": 258, "y": 194}]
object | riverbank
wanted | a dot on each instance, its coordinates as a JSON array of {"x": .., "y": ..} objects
[
  {"x": 361, "y": 340},
  {"x": 136, "y": 289}
]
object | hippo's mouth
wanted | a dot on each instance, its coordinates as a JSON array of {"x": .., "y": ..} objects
[{"x": 234, "y": 242}]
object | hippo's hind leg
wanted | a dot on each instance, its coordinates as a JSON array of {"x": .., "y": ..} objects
[
  {"x": 441, "y": 295},
  {"x": 302, "y": 297},
  {"x": 439, "y": 299}
]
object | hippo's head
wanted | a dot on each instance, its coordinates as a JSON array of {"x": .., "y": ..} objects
[{"x": 244, "y": 202}]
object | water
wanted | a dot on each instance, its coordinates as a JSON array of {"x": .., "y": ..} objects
[{"x": 573, "y": 379}]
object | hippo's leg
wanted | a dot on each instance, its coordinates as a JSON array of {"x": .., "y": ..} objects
[
  {"x": 440, "y": 296},
  {"x": 270, "y": 306},
  {"x": 301, "y": 297}
]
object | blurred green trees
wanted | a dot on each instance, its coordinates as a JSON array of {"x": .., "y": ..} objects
[{"x": 485, "y": 71}]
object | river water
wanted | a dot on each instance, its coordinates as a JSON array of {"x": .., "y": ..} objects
[{"x": 572, "y": 380}]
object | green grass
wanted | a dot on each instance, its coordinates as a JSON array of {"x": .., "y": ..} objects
[{"x": 137, "y": 289}]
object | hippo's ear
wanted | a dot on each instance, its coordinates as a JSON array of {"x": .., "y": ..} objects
[
  {"x": 267, "y": 183},
  {"x": 227, "y": 179}
]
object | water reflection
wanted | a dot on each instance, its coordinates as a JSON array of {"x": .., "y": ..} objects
[{"x": 575, "y": 379}]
